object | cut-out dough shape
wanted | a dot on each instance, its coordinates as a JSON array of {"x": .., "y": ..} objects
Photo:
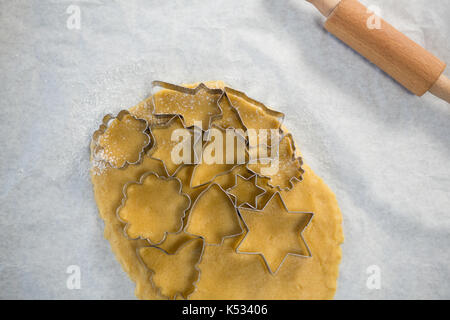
[
  {"x": 213, "y": 216},
  {"x": 289, "y": 166},
  {"x": 163, "y": 146},
  {"x": 246, "y": 191},
  {"x": 121, "y": 140},
  {"x": 153, "y": 207},
  {"x": 181, "y": 265},
  {"x": 198, "y": 104},
  {"x": 274, "y": 232},
  {"x": 205, "y": 171}
]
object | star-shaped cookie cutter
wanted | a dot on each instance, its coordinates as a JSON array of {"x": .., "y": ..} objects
[
  {"x": 293, "y": 158},
  {"x": 167, "y": 124},
  {"x": 140, "y": 182},
  {"x": 107, "y": 120},
  {"x": 254, "y": 176},
  {"x": 196, "y": 267},
  {"x": 190, "y": 91},
  {"x": 309, "y": 254}
]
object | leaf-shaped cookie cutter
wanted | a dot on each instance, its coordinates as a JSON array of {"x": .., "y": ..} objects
[
  {"x": 309, "y": 254},
  {"x": 190, "y": 91},
  {"x": 107, "y": 119},
  {"x": 294, "y": 158},
  {"x": 255, "y": 176},
  {"x": 236, "y": 210},
  {"x": 194, "y": 284},
  {"x": 140, "y": 182}
]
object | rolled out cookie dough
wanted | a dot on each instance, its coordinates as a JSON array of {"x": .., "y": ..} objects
[{"x": 224, "y": 274}]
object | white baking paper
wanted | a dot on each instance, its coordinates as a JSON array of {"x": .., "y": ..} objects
[{"x": 383, "y": 151}]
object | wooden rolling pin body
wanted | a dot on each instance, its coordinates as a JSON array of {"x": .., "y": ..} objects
[{"x": 400, "y": 57}]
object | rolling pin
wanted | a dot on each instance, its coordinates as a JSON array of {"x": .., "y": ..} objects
[{"x": 408, "y": 63}]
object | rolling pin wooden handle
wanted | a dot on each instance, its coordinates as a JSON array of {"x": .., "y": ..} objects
[
  {"x": 441, "y": 88},
  {"x": 404, "y": 60}
]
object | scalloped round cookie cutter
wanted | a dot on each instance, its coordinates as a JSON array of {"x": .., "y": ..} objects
[
  {"x": 255, "y": 176},
  {"x": 235, "y": 209},
  {"x": 196, "y": 267},
  {"x": 293, "y": 158},
  {"x": 140, "y": 182},
  {"x": 107, "y": 120},
  {"x": 309, "y": 254}
]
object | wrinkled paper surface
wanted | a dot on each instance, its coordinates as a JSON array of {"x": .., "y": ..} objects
[{"x": 383, "y": 151}]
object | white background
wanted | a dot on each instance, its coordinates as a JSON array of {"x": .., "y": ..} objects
[{"x": 383, "y": 151}]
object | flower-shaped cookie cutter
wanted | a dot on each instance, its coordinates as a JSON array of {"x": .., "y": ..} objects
[
  {"x": 107, "y": 120},
  {"x": 308, "y": 255},
  {"x": 254, "y": 176},
  {"x": 293, "y": 158},
  {"x": 236, "y": 210},
  {"x": 194, "y": 284},
  {"x": 140, "y": 182},
  {"x": 190, "y": 91}
]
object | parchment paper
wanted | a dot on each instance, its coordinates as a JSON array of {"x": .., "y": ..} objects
[{"x": 384, "y": 152}]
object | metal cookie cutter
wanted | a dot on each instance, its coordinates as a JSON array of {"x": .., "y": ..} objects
[
  {"x": 140, "y": 182},
  {"x": 225, "y": 97},
  {"x": 190, "y": 91},
  {"x": 193, "y": 206},
  {"x": 105, "y": 125},
  {"x": 294, "y": 158},
  {"x": 276, "y": 114},
  {"x": 255, "y": 182},
  {"x": 194, "y": 284},
  {"x": 259, "y": 211},
  {"x": 167, "y": 124},
  {"x": 200, "y": 158}
]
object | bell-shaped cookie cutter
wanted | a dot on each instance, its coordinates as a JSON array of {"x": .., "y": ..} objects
[
  {"x": 140, "y": 182},
  {"x": 196, "y": 267},
  {"x": 107, "y": 119},
  {"x": 236, "y": 210},
  {"x": 308, "y": 255}
]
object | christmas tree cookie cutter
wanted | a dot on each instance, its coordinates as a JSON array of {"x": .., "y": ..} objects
[
  {"x": 232, "y": 166},
  {"x": 261, "y": 254},
  {"x": 106, "y": 122},
  {"x": 279, "y": 116},
  {"x": 141, "y": 182}
]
